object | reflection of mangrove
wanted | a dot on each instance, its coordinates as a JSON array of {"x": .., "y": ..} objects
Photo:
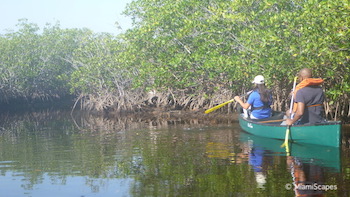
[
  {"x": 179, "y": 156},
  {"x": 50, "y": 144},
  {"x": 170, "y": 155}
]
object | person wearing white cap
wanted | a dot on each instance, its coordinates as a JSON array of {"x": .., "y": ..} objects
[
  {"x": 259, "y": 79},
  {"x": 259, "y": 101}
]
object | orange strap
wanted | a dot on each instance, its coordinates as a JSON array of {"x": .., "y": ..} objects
[
  {"x": 295, "y": 106},
  {"x": 314, "y": 105}
]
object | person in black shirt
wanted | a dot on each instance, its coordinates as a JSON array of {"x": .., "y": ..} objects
[{"x": 309, "y": 98}]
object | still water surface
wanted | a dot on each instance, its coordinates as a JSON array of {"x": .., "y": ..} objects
[{"x": 52, "y": 153}]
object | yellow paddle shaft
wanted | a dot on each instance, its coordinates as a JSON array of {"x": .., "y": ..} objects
[{"x": 219, "y": 106}]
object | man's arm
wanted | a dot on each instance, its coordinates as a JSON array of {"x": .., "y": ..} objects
[{"x": 298, "y": 114}]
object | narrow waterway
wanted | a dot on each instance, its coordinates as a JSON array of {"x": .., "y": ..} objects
[{"x": 51, "y": 153}]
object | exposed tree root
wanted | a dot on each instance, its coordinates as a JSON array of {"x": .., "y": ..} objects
[{"x": 169, "y": 100}]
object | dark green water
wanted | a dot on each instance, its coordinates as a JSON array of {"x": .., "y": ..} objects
[{"x": 52, "y": 154}]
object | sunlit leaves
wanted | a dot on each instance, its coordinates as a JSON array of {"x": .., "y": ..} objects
[
  {"x": 217, "y": 43},
  {"x": 197, "y": 47},
  {"x": 34, "y": 62}
]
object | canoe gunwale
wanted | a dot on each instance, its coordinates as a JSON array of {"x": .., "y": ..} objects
[{"x": 279, "y": 125}]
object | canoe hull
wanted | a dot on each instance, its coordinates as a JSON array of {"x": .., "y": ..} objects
[{"x": 325, "y": 134}]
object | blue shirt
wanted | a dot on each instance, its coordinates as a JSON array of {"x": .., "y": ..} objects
[
  {"x": 256, "y": 159},
  {"x": 255, "y": 102}
]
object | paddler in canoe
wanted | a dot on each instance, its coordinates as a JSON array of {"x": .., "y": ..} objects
[
  {"x": 309, "y": 98},
  {"x": 258, "y": 105}
]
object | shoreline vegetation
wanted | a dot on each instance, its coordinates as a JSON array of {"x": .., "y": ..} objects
[{"x": 183, "y": 55}]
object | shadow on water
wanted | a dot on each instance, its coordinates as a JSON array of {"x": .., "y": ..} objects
[{"x": 56, "y": 154}]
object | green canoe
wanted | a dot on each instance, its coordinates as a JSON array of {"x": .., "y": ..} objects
[{"x": 325, "y": 134}]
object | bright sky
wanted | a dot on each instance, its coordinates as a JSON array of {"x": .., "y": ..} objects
[{"x": 97, "y": 15}]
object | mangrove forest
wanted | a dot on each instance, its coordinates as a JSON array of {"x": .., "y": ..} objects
[{"x": 183, "y": 54}]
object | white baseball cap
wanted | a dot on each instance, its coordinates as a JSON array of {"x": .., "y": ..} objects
[{"x": 259, "y": 79}]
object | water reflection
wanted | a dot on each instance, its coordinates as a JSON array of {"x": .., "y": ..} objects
[
  {"x": 51, "y": 153},
  {"x": 256, "y": 158},
  {"x": 325, "y": 156},
  {"x": 306, "y": 178},
  {"x": 308, "y": 165}
]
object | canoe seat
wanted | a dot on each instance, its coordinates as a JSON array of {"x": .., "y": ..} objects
[{"x": 276, "y": 115}]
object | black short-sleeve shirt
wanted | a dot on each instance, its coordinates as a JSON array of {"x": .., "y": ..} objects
[{"x": 311, "y": 95}]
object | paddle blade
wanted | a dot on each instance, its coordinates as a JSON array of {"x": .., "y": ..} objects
[{"x": 218, "y": 106}]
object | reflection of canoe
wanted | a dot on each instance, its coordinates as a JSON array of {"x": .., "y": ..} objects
[
  {"x": 326, "y": 134},
  {"x": 325, "y": 156}
]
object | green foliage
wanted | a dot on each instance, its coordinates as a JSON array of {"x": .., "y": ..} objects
[
  {"x": 32, "y": 64},
  {"x": 96, "y": 63},
  {"x": 196, "y": 50},
  {"x": 216, "y": 45}
]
